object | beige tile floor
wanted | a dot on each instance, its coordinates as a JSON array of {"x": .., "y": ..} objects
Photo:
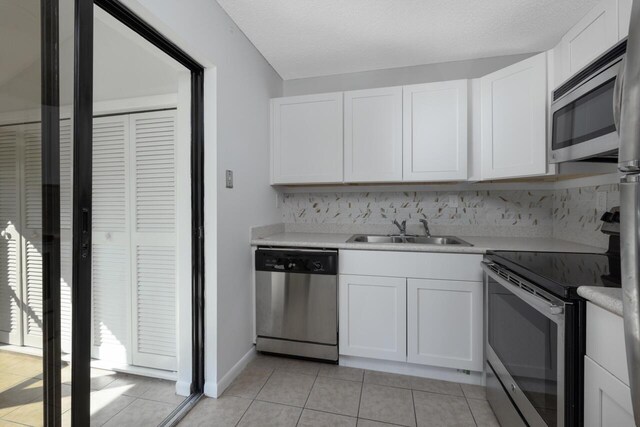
[
  {"x": 284, "y": 392},
  {"x": 116, "y": 399}
]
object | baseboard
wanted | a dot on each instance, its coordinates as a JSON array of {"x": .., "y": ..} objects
[
  {"x": 433, "y": 372},
  {"x": 183, "y": 388},
  {"x": 210, "y": 389},
  {"x": 216, "y": 390}
]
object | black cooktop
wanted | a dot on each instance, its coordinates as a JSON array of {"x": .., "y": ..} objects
[{"x": 562, "y": 273}]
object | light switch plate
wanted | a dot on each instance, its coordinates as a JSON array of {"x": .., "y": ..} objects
[
  {"x": 229, "y": 178},
  {"x": 601, "y": 201}
]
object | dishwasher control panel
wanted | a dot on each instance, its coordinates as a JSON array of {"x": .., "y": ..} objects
[{"x": 297, "y": 261}]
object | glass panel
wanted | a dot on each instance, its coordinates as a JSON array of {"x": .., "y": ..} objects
[
  {"x": 586, "y": 118},
  {"x": 141, "y": 222},
  {"x": 66, "y": 69},
  {"x": 526, "y": 343},
  {"x": 21, "y": 267}
]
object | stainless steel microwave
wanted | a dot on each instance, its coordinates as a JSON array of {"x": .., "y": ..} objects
[{"x": 581, "y": 123}]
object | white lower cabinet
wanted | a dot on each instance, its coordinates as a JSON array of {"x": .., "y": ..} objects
[
  {"x": 444, "y": 323},
  {"x": 417, "y": 307},
  {"x": 607, "y": 400},
  {"x": 607, "y": 397},
  {"x": 373, "y": 317}
]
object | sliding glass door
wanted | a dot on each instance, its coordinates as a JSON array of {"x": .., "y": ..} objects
[{"x": 101, "y": 238}]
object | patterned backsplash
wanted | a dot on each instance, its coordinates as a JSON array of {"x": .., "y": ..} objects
[
  {"x": 575, "y": 217},
  {"x": 567, "y": 214}
]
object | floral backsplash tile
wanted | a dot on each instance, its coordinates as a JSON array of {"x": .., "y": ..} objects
[{"x": 567, "y": 214}]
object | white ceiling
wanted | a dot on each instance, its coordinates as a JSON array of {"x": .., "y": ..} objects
[{"x": 307, "y": 38}]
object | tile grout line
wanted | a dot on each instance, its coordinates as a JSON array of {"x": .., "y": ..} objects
[
  {"x": 117, "y": 413},
  {"x": 364, "y": 372},
  {"x": 307, "y": 399},
  {"x": 415, "y": 412},
  {"x": 473, "y": 417},
  {"x": 253, "y": 399}
]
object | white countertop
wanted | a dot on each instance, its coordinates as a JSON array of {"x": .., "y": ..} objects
[
  {"x": 608, "y": 298},
  {"x": 480, "y": 244}
]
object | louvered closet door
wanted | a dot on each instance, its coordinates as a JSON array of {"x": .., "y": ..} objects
[
  {"x": 32, "y": 235},
  {"x": 66, "y": 193},
  {"x": 10, "y": 270},
  {"x": 111, "y": 242},
  {"x": 153, "y": 246}
]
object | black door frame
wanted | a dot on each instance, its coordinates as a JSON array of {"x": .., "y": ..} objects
[
  {"x": 50, "y": 158},
  {"x": 82, "y": 189}
]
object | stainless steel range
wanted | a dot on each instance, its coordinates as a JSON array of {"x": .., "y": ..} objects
[{"x": 535, "y": 337}]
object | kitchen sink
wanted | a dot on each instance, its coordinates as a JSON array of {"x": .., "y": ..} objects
[{"x": 410, "y": 239}]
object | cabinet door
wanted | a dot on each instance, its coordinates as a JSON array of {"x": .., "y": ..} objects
[
  {"x": 110, "y": 265},
  {"x": 32, "y": 235},
  {"x": 435, "y": 131},
  {"x": 607, "y": 400},
  {"x": 514, "y": 120},
  {"x": 373, "y": 317},
  {"x": 306, "y": 139},
  {"x": 10, "y": 239},
  {"x": 624, "y": 16},
  {"x": 153, "y": 239},
  {"x": 590, "y": 37},
  {"x": 373, "y": 135},
  {"x": 444, "y": 323}
]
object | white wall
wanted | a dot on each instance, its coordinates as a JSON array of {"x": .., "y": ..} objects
[
  {"x": 238, "y": 85},
  {"x": 469, "y": 69}
]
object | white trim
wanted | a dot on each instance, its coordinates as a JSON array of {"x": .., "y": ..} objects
[
  {"x": 210, "y": 389},
  {"x": 132, "y": 105},
  {"x": 114, "y": 106},
  {"x": 461, "y": 186},
  {"x": 211, "y": 228},
  {"x": 228, "y": 378},
  {"x": 183, "y": 388},
  {"x": 589, "y": 181},
  {"x": 17, "y": 117},
  {"x": 402, "y": 368},
  {"x": 136, "y": 370},
  {"x": 183, "y": 233}
]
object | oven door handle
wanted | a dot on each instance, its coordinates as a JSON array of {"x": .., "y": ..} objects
[{"x": 551, "y": 310}]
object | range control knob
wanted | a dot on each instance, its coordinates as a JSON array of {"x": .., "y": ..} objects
[{"x": 317, "y": 265}]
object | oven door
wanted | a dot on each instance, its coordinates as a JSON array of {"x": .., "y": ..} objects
[
  {"x": 582, "y": 123},
  {"x": 525, "y": 346}
]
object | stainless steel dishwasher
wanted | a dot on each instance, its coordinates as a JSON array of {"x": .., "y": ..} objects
[{"x": 297, "y": 302}]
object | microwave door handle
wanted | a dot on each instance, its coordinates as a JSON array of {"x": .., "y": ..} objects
[{"x": 617, "y": 95}]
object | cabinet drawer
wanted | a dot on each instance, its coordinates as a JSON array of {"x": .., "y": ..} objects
[
  {"x": 424, "y": 265},
  {"x": 605, "y": 341}
]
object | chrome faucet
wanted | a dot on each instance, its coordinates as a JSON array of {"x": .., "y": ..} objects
[
  {"x": 427, "y": 232},
  {"x": 402, "y": 227}
]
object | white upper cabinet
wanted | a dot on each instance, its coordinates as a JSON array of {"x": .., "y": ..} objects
[
  {"x": 513, "y": 120},
  {"x": 624, "y": 16},
  {"x": 435, "y": 131},
  {"x": 594, "y": 34},
  {"x": 306, "y": 139},
  {"x": 373, "y": 135}
]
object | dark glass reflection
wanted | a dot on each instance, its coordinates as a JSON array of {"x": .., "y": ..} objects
[
  {"x": 526, "y": 343},
  {"x": 586, "y": 118}
]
